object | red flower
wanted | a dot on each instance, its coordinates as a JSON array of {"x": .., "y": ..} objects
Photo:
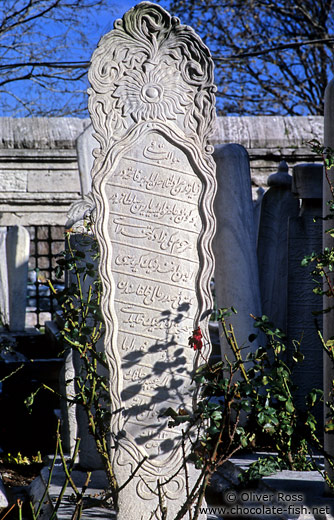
[{"x": 195, "y": 340}]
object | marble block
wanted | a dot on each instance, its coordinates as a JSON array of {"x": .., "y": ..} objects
[
  {"x": 4, "y": 303},
  {"x": 152, "y": 107},
  {"x": 88, "y": 454},
  {"x": 85, "y": 145},
  {"x": 17, "y": 249},
  {"x": 236, "y": 270},
  {"x": 305, "y": 236},
  {"x": 3, "y": 496},
  {"x": 328, "y": 322},
  {"x": 257, "y": 205},
  {"x": 278, "y": 205}
]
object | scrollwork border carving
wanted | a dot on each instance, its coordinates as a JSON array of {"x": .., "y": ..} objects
[{"x": 146, "y": 37}]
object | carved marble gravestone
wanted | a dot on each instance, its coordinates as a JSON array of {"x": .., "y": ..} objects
[
  {"x": 278, "y": 206},
  {"x": 234, "y": 246},
  {"x": 152, "y": 108}
]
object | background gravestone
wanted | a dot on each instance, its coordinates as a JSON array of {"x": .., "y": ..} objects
[
  {"x": 327, "y": 241},
  {"x": 17, "y": 256},
  {"x": 236, "y": 270},
  {"x": 85, "y": 144},
  {"x": 257, "y": 205},
  {"x": 278, "y": 205},
  {"x": 152, "y": 107},
  {"x": 4, "y": 304},
  {"x": 305, "y": 236}
]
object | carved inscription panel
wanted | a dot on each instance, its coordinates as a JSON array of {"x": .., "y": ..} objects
[{"x": 154, "y": 225}]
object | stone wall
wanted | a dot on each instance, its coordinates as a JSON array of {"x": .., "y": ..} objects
[
  {"x": 269, "y": 140},
  {"x": 39, "y": 176},
  {"x": 38, "y": 169}
]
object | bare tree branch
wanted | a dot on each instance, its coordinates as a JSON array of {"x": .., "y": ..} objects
[
  {"x": 270, "y": 56},
  {"x": 45, "y": 48},
  {"x": 47, "y": 64},
  {"x": 263, "y": 52}
]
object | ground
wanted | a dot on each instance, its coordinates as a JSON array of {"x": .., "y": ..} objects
[{"x": 16, "y": 479}]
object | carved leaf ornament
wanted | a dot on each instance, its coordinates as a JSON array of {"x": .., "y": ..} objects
[
  {"x": 152, "y": 102},
  {"x": 136, "y": 68}
]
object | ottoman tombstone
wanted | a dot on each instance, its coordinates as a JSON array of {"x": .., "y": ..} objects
[{"x": 152, "y": 108}]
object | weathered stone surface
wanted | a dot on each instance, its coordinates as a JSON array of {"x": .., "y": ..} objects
[
  {"x": 236, "y": 269},
  {"x": 77, "y": 417},
  {"x": 46, "y": 145},
  {"x": 3, "y": 495},
  {"x": 4, "y": 304},
  {"x": 38, "y": 167},
  {"x": 17, "y": 248},
  {"x": 40, "y": 132},
  {"x": 85, "y": 146},
  {"x": 307, "y": 182},
  {"x": 13, "y": 181},
  {"x": 278, "y": 205},
  {"x": 67, "y": 388},
  {"x": 39, "y": 490},
  {"x": 269, "y": 140},
  {"x": 305, "y": 236},
  {"x": 257, "y": 204},
  {"x": 31, "y": 216},
  {"x": 264, "y": 132},
  {"x": 54, "y": 181},
  {"x": 328, "y": 322},
  {"x": 39, "y": 198},
  {"x": 152, "y": 108}
]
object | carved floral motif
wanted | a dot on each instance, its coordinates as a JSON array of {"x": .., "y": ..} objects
[
  {"x": 152, "y": 107},
  {"x": 151, "y": 67},
  {"x": 150, "y": 94}
]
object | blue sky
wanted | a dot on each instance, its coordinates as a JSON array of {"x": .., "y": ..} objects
[
  {"x": 35, "y": 46},
  {"x": 40, "y": 90}
]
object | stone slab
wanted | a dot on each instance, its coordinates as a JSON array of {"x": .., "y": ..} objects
[
  {"x": 53, "y": 181},
  {"x": 37, "y": 162},
  {"x": 279, "y": 133},
  {"x": 92, "y": 507},
  {"x": 234, "y": 245},
  {"x": 15, "y": 181},
  {"x": 40, "y": 132},
  {"x": 308, "y": 484},
  {"x": 278, "y": 205},
  {"x": 3, "y": 496},
  {"x": 4, "y": 303},
  {"x": 76, "y": 417},
  {"x": 85, "y": 146},
  {"x": 37, "y": 198},
  {"x": 268, "y": 140},
  {"x": 305, "y": 236},
  {"x": 31, "y": 149},
  {"x": 17, "y": 251},
  {"x": 268, "y": 131},
  {"x": 29, "y": 218},
  {"x": 303, "y": 491},
  {"x": 307, "y": 181},
  {"x": 328, "y": 322}
]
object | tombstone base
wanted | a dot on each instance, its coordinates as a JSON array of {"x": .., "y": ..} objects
[{"x": 140, "y": 509}]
